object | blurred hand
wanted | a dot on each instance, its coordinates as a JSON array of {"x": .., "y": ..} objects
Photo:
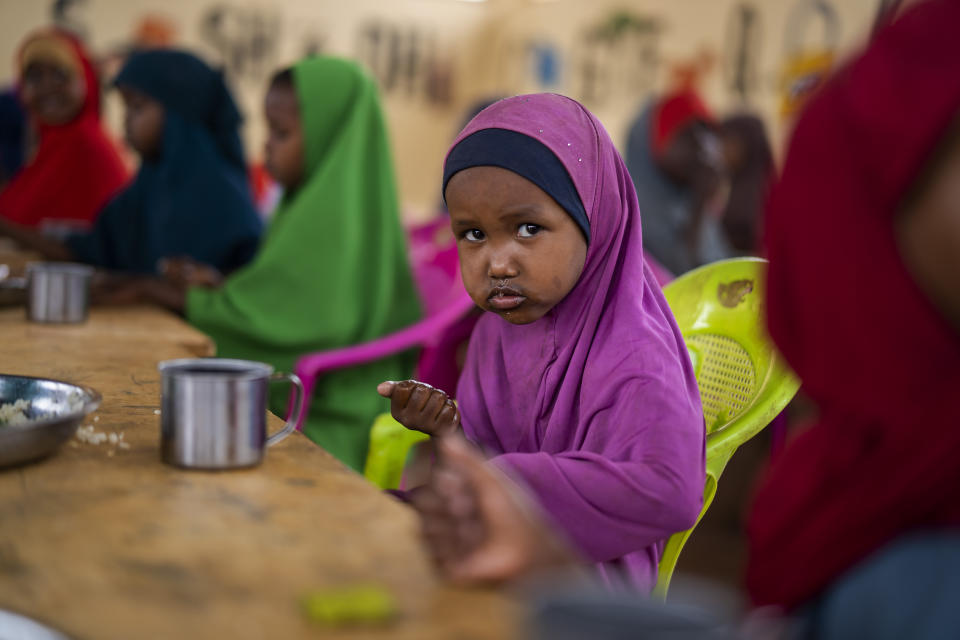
[
  {"x": 481, "y": 528},
  {"x": 112, "y": 289},
  {"x": 187, "y": 272},
  {"x": 120, "y": 290},
  {"x": 420, "y": 407}
]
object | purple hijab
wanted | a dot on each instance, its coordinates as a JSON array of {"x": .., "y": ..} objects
[{"x": 594, "y": 407}]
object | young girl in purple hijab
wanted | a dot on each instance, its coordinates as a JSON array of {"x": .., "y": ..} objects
[{"x": 577, "y": 382}]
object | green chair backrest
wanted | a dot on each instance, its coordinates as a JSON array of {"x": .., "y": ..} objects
[
  {"x": 390, "y": 442},
  {"x": 744, "y": 382}
]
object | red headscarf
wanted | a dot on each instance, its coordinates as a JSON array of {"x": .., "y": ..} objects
[
  {"x": 881, "y": 362},
  {"x": 76, "y": 169},
  {"x": 673, "y": 113}
]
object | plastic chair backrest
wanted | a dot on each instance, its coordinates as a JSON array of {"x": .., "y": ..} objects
[
  {"x": 436, "y": 271},
  {"x": 446, "y": 302},
  {"x": 744, "y": 382},
  {"x": 390, "y": 442},
  {"x": 311, "y": 366},
  {"x": 434, "y": 262},
  {"x": 660, "y": 273}
]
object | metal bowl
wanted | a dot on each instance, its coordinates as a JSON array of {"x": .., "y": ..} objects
[
  {"x": 56, "y": 408},
  {"x": 14, "y": 625}
]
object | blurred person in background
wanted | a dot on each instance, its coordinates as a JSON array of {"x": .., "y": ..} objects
[
  {"x": 675, "y": 158},
  {"x": 190, "y": 196},
  {"x": 74, "y": 169},
  {"x": 332, "y": 271},
  {"x": 749, "y": 162}
]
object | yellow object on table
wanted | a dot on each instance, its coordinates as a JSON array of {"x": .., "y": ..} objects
[{"x": 361, "y": 604}]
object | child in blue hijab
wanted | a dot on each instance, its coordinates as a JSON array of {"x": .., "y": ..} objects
[{"x": 191, "y": 197}]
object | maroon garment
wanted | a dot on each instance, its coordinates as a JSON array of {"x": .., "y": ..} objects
[{"x": 880, "y": 361}]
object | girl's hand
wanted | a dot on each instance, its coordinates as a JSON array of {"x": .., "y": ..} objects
[
  {"x": 121, "y": 290},
  {"x": 109, "y": 289},
  {"x": 420, "y": 407}
]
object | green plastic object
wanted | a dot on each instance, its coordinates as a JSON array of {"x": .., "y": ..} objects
[
  {"x": 744, "y": 382},
  {"x": 355, "y": 605},
  {"x": 390, "y": 442}
]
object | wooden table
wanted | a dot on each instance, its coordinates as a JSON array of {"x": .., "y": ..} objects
[
  {"x": 104, "y": 542},
  {"x": 109, "y": 328},
  {"x": 16, "y": 259}
]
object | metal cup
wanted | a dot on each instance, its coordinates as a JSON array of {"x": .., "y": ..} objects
[
  {"x": 58, "y": 292},
  {"x": 213, "y": 412}
]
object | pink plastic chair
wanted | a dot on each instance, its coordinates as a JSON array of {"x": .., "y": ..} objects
[
  {"x": 448, "y": 322},
  {"x": 663, "y": 276}
]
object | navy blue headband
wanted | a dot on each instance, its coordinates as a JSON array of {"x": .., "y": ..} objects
[{"x": 524, "y": 156}]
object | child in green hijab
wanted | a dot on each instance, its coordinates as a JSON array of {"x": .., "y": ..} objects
[{"x": 332, "y": 270}]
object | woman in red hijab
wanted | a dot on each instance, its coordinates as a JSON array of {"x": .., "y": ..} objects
[
  {"x": 674, "y": 158},
  {"x": 859, "y": 518},
  {"x": 76, "y": 169}
]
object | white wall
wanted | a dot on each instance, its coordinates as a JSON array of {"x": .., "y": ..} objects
[{"x": 483, "y": 46}]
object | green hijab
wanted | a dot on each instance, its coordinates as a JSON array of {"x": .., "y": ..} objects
[{"x": 332, "y": 270}]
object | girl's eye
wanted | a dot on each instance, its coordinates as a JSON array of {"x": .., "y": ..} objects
[
  {"x": 529, "y": 230},
  {"x": 473, "y": 235}
]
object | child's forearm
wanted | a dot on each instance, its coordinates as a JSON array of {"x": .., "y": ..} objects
[{"x": 30, "y": 239}]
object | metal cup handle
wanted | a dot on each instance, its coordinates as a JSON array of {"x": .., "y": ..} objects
[{"x": 297, "y": 407}]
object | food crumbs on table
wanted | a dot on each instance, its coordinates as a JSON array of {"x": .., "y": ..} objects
[{"x": 88, "y": 435}]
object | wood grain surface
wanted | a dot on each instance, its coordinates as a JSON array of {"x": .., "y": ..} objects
[{"x": 107, "y": 542}]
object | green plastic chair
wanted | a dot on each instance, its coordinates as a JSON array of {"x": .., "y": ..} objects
[
  {"x": 390, "y": 442},
  {"x": 744, "y": 382}
]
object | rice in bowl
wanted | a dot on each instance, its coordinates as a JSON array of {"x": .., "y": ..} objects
[{"x": 14, "y": 412}]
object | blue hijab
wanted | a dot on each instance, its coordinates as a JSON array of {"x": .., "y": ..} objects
[
  {"x": 666, "y": 208},
  {"x": 194, "y": 199},
  {"x": 12, "y": 130}
]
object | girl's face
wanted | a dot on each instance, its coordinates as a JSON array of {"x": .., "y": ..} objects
[
  {"x": 520, "y": 252},
  {"x": 51, "y": 93},
  {"x": 143, "y": 122},
  {"x": 283, "y": 153},
  {"x": 695, "y": 149}
]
